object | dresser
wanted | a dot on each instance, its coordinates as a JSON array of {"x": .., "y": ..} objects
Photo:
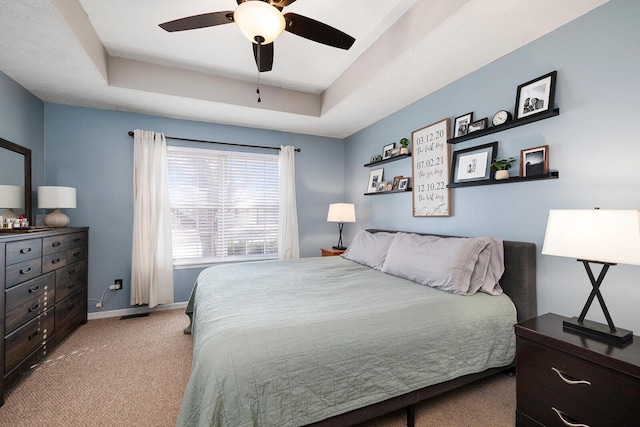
[
  {"x": 565, "y": 379},
  {"x": 43, "y": 279}
]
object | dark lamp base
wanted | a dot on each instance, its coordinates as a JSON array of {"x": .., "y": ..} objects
[
  {"x": 598, "y": 331},
  {"x": 340, "y": 248}
]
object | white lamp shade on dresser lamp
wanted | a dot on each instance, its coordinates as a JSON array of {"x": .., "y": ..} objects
[
  {"x": 56, "y": 198},
  {"x": 11, "y": 196}
]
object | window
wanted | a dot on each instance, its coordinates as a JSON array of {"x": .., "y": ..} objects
[{"x": 224, "y": 205}]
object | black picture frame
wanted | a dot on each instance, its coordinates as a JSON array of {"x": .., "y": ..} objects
[
  {"x": 386, "y": 150},
  {"x": 461, "y": 124},
  {"x": 473, "y": 164},
  {"x": 536, "y": 96},
  {"x": 478, "y": 125}
]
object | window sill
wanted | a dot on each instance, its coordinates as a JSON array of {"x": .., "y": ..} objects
[{"x": 191, "y": 264}]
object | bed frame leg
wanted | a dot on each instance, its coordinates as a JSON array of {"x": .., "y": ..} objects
[{"x": 410, "y": 416}]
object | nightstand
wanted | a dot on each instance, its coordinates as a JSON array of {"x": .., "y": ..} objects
[
  {"x": 332, "y": 252},
  {"x": 566, "y": 379}
]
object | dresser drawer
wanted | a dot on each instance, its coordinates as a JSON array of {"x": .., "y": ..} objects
[
  {"x": 51, "y": 245},
  {"x": 23, "y": 271},
  {"x": 23, "y": 250},
  {"x": 545, "y": 366},
  {"x": 75, "y": 254},
  {"x": 550, "y": 409},
  {"x": 70, "y": 279},
  {"x": 26, "y": 339},
  {"x": 26, "y": 301},
  {"x": 54, "y": 261},
  {"x": 70, "y": 308},
  {"x": 77, "y": 240}
]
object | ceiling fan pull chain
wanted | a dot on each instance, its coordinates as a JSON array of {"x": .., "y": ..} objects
[{"x": 258, "y": 89}]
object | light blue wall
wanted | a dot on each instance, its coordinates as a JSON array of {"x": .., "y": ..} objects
[
  {"x": 90, "y": 149},
  {"x": 22, "y": 122},
  {"x": 594, "y": 144}
]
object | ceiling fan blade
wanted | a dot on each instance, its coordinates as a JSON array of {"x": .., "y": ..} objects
[
  {"x": 263, "y": 53},
  {"x": 317, "y": 31},
  {"x": 198, "y": 21},
  {"x": 281, "y": 3}
]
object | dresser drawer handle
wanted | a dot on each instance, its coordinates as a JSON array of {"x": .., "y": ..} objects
[
  {"x": 71, "y": 286},
  {"x": 76, "y": 240},
  {"x": 34, "y": 288},
  {"x": 33, "y": 335},
  {"x": 26, "y": 270},
  {"x": 72, "y": 271},
  {"x": 565, "y": 422},
  {"x": 25, "y": 250},
  {"x": 75, "y": 254},
  {"x": 55, "y": 244},
  {"x": 55, "y": 261},
  {"x": 34, "y": 308},
  {"x": 569, "y": 380},
  {"x": 70, "y": 307}
]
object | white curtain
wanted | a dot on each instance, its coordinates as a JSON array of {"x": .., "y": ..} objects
[
  {"x": 288, "y": 244},
  {"x": 152, "y": 259}
]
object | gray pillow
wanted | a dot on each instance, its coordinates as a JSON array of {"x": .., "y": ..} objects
[
  {"x": 369, "y": 249},
  {"x": 489, "y": 268},
  {"x": 443, "y": 263}
]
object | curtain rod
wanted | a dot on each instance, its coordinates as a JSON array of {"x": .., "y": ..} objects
[{"x": 221, "y": 143}]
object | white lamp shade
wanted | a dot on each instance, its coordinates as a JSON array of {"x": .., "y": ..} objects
[
  {"x": 341, "y": 212},
  {"x": 611, "y": 236},
  {"x": 11, "y": 196},
  {"x": 53, "y": 197},
  {"x": 257, "y": 18}
]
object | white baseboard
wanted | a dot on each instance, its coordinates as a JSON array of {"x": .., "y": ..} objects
[{"x": 134, "y": 310}]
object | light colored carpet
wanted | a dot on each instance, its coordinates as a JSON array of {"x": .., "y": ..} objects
[{"x": 133, "y": 372}]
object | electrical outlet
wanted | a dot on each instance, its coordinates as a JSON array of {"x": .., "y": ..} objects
[{"x": 117, "y": 284}]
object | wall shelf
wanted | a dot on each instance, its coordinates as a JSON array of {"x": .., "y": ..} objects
[
  {"x": 511, "y": 180},
  {"x": 390, "y": 159},
  {"x": 380, "y": 193},
  {"x": 508, "y": 125}
]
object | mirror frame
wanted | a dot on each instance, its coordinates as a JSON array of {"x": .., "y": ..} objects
[{"x": 27, "y": 174}]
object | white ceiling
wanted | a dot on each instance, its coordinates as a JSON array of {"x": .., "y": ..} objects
[{"x": 111, "y": 54}]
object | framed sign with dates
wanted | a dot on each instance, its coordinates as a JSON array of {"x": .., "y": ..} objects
[{"x": 431, "y": 197}]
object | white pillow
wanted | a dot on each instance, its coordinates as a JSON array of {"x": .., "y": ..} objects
[
  {"x": 369, "y": 249},
  {"x": 443, "y": 263}
]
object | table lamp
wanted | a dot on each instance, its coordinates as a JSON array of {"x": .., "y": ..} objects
[
  {"x": 11, "y": 196},
  {"x": 52, "y": 197},
  {"x": 595, "y": 236},
  {"x": 341, "y": 213}
]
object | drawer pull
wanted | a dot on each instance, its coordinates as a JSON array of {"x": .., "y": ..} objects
[
  {"x": 75, "y": 254},
  {"x": 70, "y": 307},
  {"x": 72, "y": 272},
  {"x": 34, "y": 308},
  {"x": 569, "y": 380},
  {"x": 55, "y": 244},
  {"x": 33, "y": 335},
  {"x": 25, "y": 271},
  {"x": 76, "y": 240},
  {"x": 71, "y": 286},
  {"x": 34, "y": 288},
  {"x": 565, "y": 422},
  {"x": 25, "y": 250},
  {"x": 55, "y": 261}
]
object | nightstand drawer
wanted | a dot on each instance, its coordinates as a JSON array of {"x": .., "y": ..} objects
[
  {"x": 550, "y": 409},
  {"x": 546, "y": 367}
]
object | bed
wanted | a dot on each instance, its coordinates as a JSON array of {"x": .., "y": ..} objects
[{"x": 332, "y": 341}]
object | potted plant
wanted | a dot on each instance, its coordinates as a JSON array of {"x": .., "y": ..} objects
[
  {"x": 404, "y": 143},
  {"x": 501, "y": 167}
]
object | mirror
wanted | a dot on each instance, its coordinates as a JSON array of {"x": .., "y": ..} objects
[{"x": 15, "y": 169}]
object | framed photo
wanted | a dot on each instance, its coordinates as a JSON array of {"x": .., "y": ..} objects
[
  {"x": 536, "y": 96},
  {"x": 403, "y": 184},
  {"x": 461, "y": 124},
  {"x": 386, "y": 150},
  {"x": 395, "y": 152},
  {"x": 375, "y": 177},
  {"x": 396, "y": 182},
  {"x": 534, "y": 161},
  {"x": 382, "y": 186},
  {"x": 478, "y": 125},
  {"x": 473, "y": 164},
  {"x": 372, "y": 159}
]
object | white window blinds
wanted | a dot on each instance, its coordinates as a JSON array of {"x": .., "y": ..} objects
[{"x": 224, "y": 205}]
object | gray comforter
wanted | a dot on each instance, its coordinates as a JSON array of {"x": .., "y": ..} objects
[{"x": 287, "y": 343}]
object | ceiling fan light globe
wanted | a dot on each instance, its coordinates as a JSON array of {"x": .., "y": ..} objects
[{"x": 256, "y": 18}]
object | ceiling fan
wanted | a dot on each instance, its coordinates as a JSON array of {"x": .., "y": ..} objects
[{"x": 262, "y": 21}]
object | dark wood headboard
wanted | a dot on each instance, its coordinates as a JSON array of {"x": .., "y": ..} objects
[{"x": 519, "y": 278}]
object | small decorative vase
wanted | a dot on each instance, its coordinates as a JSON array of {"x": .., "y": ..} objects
[
  {"x": 404, "y": 150},
  {"x": 503, "y": 174}
]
